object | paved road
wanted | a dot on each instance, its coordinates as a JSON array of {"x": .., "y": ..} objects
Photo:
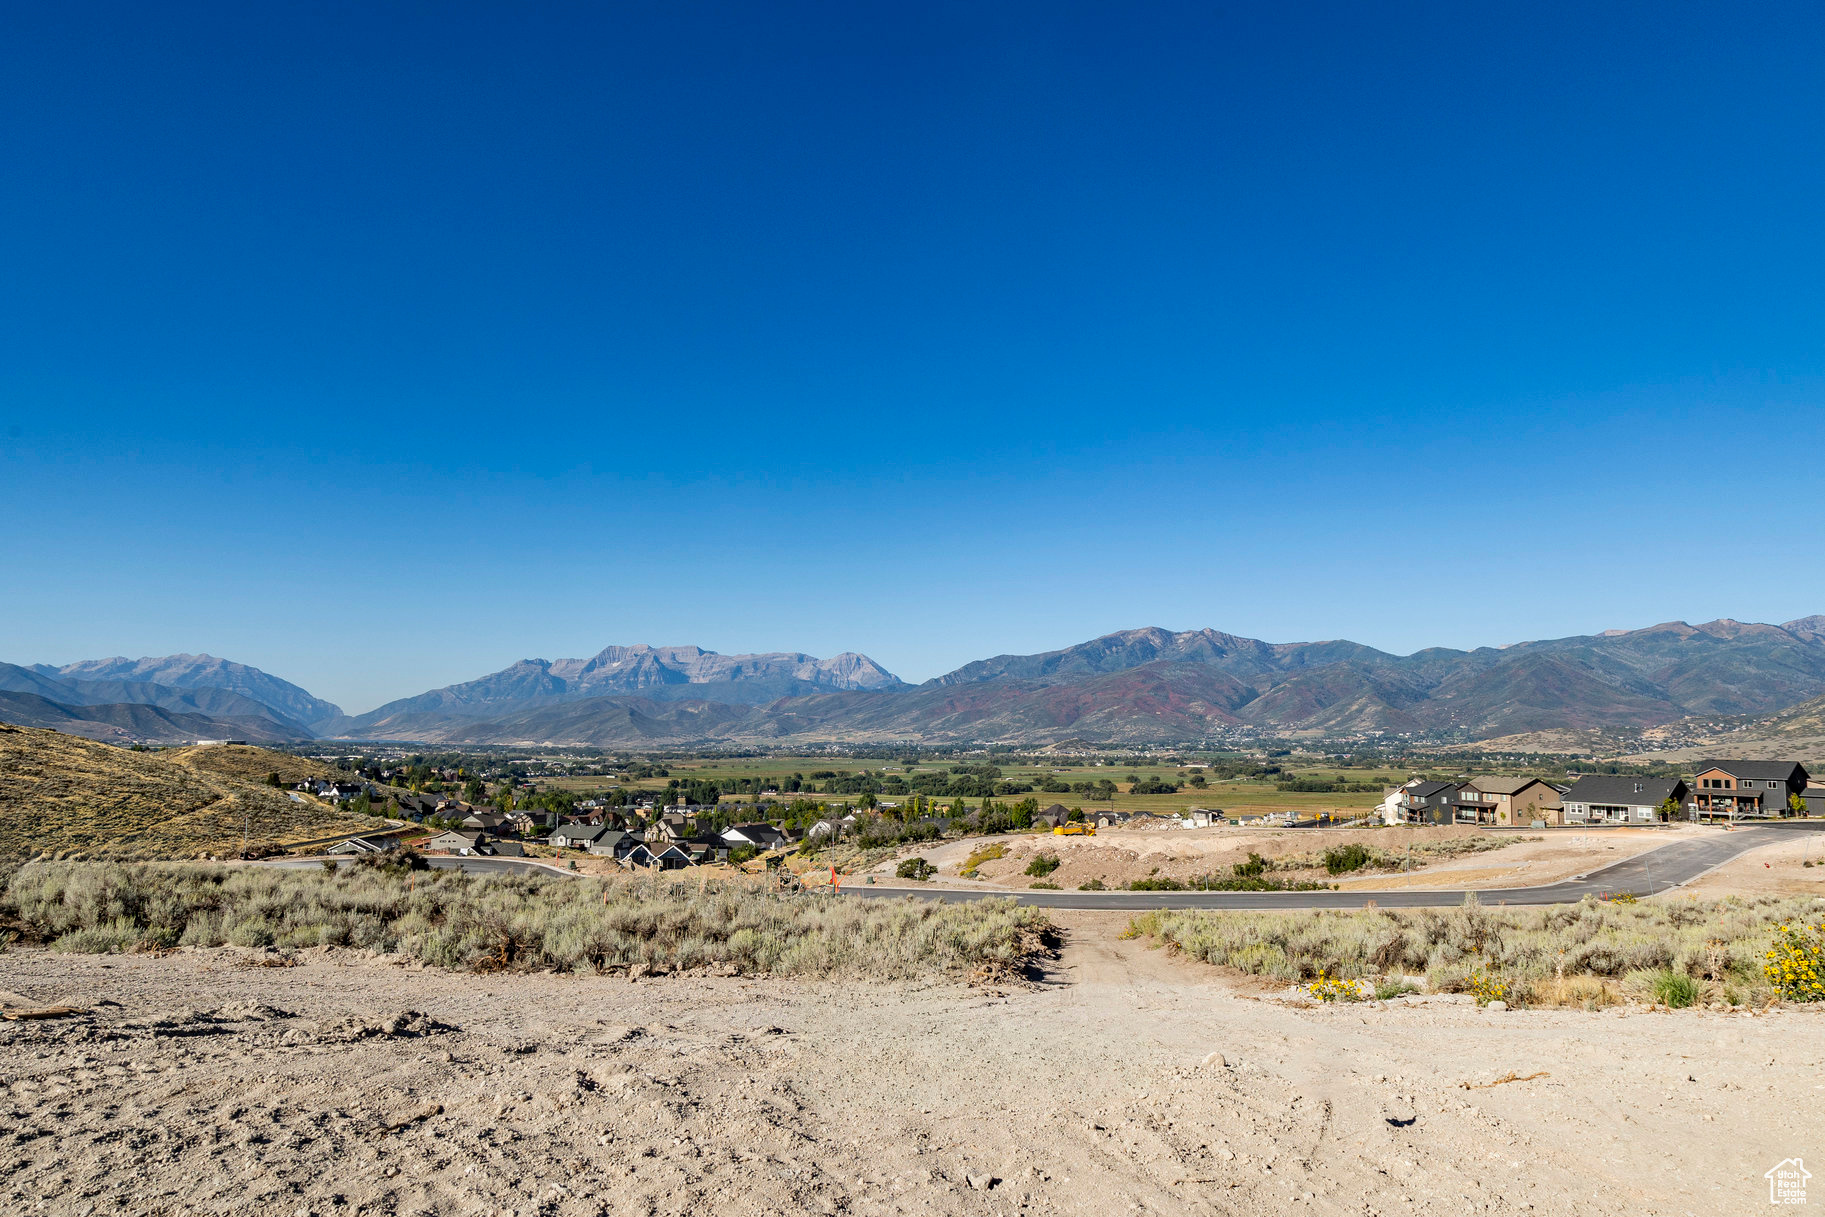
[{"x": 1655, "y": 871}]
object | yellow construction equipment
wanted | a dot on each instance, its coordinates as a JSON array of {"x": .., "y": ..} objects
[{"x": 1075, "y": 828}]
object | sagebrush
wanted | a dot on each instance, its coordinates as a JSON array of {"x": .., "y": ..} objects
[
  {"x": 1530, "y": 950},
  {"x": 452, "y": 920}
]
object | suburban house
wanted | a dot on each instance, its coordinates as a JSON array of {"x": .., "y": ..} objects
[
  {"x": 577, "y": 836},
  {"x": 526, "y": 823},
  {"x": 485, "y": 819},
  {"x": 1197, "y": 817},
  {"x": 673, "y": 826},
  {"x": 417, "y": 806},
  {"x": 832, "y": 827},
  {"x": 1115, "y": 819},
  {"x": 613, "y": 843},
  {"x": 663, "y": 856},
  {"x": 1815, "y": 800},
  {"x": 1735, "y": 789},
  {"x": 334, "y": 792},
  {"x": 363, "y": 845},
  {"x": 1421, "y": 802},
  {"x": 1605, "y": 799},
  {"x": 1511, "y": 802},
  {"x": 505, "y": 849},
  {"x": 761, "y": 836},
  {"x": 1052, "y": 816},
  {"x": 458, "y": 842}
]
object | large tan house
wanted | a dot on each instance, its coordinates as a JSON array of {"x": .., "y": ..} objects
[{"x": 1511, "y": 802}]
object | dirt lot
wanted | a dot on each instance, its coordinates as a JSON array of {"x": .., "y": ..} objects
[
  {"x": 1117, "y": 856},
  {"x": 202, "y": 1084},
  {"x": 1772, "y": 870}
]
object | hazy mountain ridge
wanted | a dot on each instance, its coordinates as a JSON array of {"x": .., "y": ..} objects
[
  {"x": 645, "y": 673},
  {"x": 284, "y": 699},
  {"x": 1157, "y": 685},
  {"x": 123, "y": 723},
  {"x": 1133, "y": 686}
]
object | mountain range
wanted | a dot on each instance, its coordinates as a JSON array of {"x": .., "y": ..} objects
[{"x": 1135, "y": 686}]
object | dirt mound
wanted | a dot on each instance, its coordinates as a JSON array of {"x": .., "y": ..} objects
[{"x": 404, "y": 1023}]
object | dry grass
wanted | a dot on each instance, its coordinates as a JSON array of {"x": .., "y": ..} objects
[
  {"x": 61, "y": 795},
  {"x": 252, "y": 764},
  {"x": 986, "y": 853},
  {"x": 452, "y": 920},
  {"x": 1589, "y": 953}
]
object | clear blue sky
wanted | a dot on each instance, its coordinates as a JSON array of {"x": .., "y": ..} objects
[{"x": 381, "y": 345}]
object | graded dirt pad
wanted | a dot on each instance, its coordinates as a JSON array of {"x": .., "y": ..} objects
[
  {"x": 1119, "y": 856},
  {"x": 1772, "y": 870},
  {"x": 348, "y": 1085}
]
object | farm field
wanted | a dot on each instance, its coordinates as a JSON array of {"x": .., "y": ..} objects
[{"x": 1237, "y": 797}]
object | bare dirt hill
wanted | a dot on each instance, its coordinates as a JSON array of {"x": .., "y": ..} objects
[{"x": 60, "y": 793}]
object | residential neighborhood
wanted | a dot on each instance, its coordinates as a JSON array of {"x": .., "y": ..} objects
[{"x": 1727, "y": 791}]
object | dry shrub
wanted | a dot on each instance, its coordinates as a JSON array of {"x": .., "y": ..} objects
[
  {"x": 1533, "y": 950},
  {"x": 453, "y": 920}
]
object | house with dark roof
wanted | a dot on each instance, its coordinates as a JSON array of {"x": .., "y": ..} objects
[
  {"x": 362, "y": 845},
  {"x": 1737, "y": 790},
  {"x": 1428, "y": 803},
  {"x": 760, "y": 835},
  {"x": 613, "y": 843},
  {"x": 659, "y": 855},
  {"x": 1512, "y": 802},
  {"x": 458, "y": 842},
  {"x": 576, "y": 836},
  {"x": 486, "y": 819},
  {"x": 1607, "y": 799},
  {"x": 1052, "y": 816}
]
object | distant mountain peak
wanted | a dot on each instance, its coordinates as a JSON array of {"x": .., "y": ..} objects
[{"x": 654, "y": 673}]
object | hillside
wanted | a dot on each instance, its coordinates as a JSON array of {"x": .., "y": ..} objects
[
  {"x": 250, "y": 764},
  {"x": 281, "y": 698},
  {"x": 1794, "y": 734},
  {"x": 1131, "y": 687},
  {"x": 133, "y": 722},
  {"x": 130, "y": 701},
  {"x": 1136, "y": 686},
  {"x": 59, "y": 793}
]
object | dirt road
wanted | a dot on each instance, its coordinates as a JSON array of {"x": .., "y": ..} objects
[{"x": 217, "y": 1087}]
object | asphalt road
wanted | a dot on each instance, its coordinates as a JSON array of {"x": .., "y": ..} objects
[{"x": 1655, "y": 871}]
